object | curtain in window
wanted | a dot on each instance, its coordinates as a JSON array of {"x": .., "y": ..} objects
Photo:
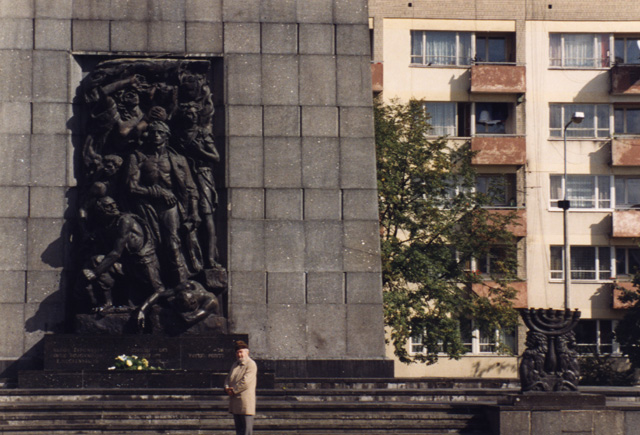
[
  {"x": 604, "y": 192},
  {"x": 578, "y": 50},
  {"x": 443, "y": 118},
  {"x": 587, "y": 127},
  {"x": 416, "y": 47},
  {"x": 581, "y": 191},
  {"x": 555, "y": 49},
  {"x": 464, "y": 48},
  {"x": 440, "y": 48},
  {"x": 583, "y": 262}
]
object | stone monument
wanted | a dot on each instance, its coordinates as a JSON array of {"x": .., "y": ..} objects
[{"x": 190, "y": 168}]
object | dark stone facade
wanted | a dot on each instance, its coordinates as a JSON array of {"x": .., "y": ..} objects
[{"x": 293, "y": 125}]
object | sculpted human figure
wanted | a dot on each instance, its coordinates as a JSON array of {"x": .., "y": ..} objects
[
  {"x": 162, "y": 191},
  {"x": 146, "y": 197},
  {"x": 189, "y": 299},
  {"x": 568, "y": 365},
  {"x": 532, "y": 372},
  {"x": 197, "y": 144},
  {"x": 132, "y": 253}
]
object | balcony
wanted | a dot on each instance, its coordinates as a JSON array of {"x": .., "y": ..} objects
[
  {"x": 618, "y": 289},
  {"x": 520, "y": 301},
  {"x": 625, "y": 80},
  {"x": 519, "y": 226},
  {"x": 498, "y": 79},
  {"x": 625, "y": 223},
  {"x": 625, "y": 151},
  {"x": 499, "y": 150},
  {"x": 376, "y": 76}
]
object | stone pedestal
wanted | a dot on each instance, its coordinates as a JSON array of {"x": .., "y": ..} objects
[{"x": 553, "y": 413}]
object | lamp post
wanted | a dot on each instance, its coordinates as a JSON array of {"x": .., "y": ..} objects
[
  {"x": 576, "y": 118},
  {"x": 551, "y": 331}
]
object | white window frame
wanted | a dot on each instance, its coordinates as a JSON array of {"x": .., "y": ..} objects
[
  {"x": 604, "y": 275},
  {"x": 440, "y": 130},
  {"x": 598, "y": 203},
  {"x": 599, "y": 40},
  {"x": 602, "y": 123},
  {"x": 422, "y": 57},
  {"x": 477, "y": 346}
]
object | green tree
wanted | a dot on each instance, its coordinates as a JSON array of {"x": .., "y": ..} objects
[{"x": 433, "y": 223}]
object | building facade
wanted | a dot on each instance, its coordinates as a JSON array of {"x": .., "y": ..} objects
[{"x": 508, "y": 76}]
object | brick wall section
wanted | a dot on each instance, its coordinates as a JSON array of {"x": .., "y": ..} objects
[{"x": 303, "y": 247}]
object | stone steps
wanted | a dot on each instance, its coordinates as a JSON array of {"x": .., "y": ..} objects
[{"x": 147, "y": 412}]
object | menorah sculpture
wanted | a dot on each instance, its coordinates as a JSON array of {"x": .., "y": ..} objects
[{"x": 550, "y": 361}]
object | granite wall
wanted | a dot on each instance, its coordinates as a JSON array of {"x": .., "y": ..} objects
[{"x": 295, "y": 130}]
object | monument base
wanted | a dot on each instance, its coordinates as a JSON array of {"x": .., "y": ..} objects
[
  {"x": 71, "y": 352},
  {"x": 561, "y": 400},
  {"x": 162, "y": 379}
]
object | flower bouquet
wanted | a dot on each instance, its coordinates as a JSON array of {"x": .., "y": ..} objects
[{"x": 126, "y": 362}]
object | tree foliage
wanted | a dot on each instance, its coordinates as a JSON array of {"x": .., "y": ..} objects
[
  {"x": 432, "y": 223},
  {"x": 628, "y": 329}
]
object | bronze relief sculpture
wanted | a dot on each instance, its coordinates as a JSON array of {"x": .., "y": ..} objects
[{"x": 148, "y": 199}]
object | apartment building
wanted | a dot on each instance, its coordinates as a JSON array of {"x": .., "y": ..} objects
[{"x": 508, "y": 75}]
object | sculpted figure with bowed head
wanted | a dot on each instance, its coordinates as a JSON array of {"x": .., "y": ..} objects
[{"x": 240, "y": 386}]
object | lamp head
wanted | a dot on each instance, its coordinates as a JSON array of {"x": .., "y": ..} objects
[{"x": 577, "y": 117}]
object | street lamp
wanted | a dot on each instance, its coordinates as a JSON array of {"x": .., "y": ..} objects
[{"x": 576, "y": 118}]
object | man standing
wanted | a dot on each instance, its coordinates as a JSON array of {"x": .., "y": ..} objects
[{"x": 240, "y": 385}]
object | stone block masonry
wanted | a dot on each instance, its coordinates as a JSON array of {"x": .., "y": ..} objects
[{"x": 294, "y": 128}]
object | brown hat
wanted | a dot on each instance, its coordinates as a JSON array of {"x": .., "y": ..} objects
[{"x": 241, "y": 345}]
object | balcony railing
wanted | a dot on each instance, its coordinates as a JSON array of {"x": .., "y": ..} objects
[
  {"x": 498, "y": 78},
  {"x": 376, "y": 76},
  {"x": 617, "y": 290},
  {"x": 625, "y": 151},
  {"x": 519, "y": 225},
  {"x": 625, "y": 79},
  {"x": 499, "y": 150},
  {"x": 520, "y": 301},
  {"x": 625, "y": 223}
]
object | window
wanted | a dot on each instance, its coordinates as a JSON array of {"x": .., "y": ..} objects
[
  {"x": 499, "y": 260},
  {"x": 416, "y": 345},
  {"x": 579, "y": 50},
  {"x": 494, "y": 48},
  {"x": 473, "y": 340},
  {"x": 440, "y": 48},
  {"x": 449, "y": 118},
  {"x": 595, "y": 123},
  {"x": 627, "y": 261},
  {"x": 627, "y": 49},
  {"x": 627, "y": 192},
  {"x": 491, "y": 118},
  {"x": 626, "y": 120},
  {"x": 500, "y": 189},
  {"x": 583, "y": 191},
  {"x": 594, "y": 336},
  {"x": 590, "y": 263}
]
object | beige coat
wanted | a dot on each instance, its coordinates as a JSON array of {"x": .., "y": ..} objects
[{"x": 242, "y": 378}]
